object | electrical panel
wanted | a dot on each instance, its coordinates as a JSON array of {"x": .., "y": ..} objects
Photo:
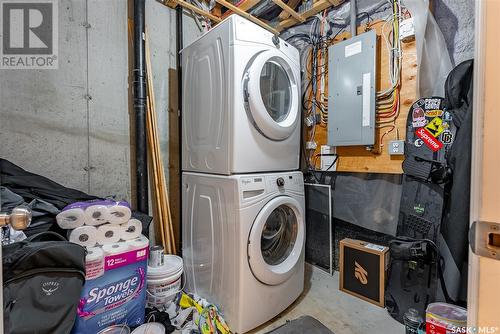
[{"x": 351, "y": 91}]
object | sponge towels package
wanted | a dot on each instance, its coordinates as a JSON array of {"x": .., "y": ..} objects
[
  {"x": 131, "y": 230},
  {"x": 94, "y": 213},
  {"x": 85, "y": 236},
  {"x": 115, "y": 248},
  {"x": 71, "y": 218},
  {"x": 118, "y": 296},
  {"x": 108, "y": 234},
  {"x": 119, "y": 214},
  {"x": 97, "y": 214},
  {"x": 138, "y": 243},
  {"x": 94, "y": 263}
]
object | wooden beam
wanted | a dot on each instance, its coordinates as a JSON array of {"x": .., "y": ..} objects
[
  {"x": 292, "y": 4},
  {"x": 317, "y": 7},
  {"x": 244, "y": 6},
  {"x": 246, "y": 15},
  {"x": 289, "y": 10},
  {"x": 197, "y": 10},
  {"x": 170, "y": 3},
  {"x": 248, "y": 4},
  {"x": 217, "y": 10}
]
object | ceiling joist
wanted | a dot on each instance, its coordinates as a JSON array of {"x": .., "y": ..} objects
[{"x": 287, "y": 18}]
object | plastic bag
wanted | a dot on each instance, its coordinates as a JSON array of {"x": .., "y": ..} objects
[{"x": 433, "y": 59}]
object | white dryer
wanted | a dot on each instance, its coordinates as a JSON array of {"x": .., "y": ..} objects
[
  {"x": 241, "y": 101},
  {"x": 243, "y": 243}
]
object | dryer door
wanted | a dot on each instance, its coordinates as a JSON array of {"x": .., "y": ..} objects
[
  {"x": 276, "y": 240},
  {"x": 272, "y": 95}
]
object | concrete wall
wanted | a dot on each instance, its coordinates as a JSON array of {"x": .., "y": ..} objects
[{"x": 72, "y": 124}]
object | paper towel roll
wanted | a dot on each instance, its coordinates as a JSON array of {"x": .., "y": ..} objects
[
  {"x": 97, "y": 215},
  {"x": 108, "y": 234},
  {"x": 131, "y": 230},
  {"x": 84, "y": 235},
  {"x": 115, "y": 248},
  {"x": 70, "y": 219},
  {"x": 94, "y": 254},
  {"x": 138, "y": 243},
  {"x": 94, "y": 263},
  {"x": 120, "y": 214}
]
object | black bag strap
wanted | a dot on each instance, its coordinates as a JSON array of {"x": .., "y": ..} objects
[
  {"x": 440, "y": 264},
  {"x": 46, "y": 236}
]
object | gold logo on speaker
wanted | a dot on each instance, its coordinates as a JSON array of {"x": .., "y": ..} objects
[{"x": 360, "y": 273}]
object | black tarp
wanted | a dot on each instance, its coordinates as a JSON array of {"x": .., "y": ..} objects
[{"x": 45, "y": 197}]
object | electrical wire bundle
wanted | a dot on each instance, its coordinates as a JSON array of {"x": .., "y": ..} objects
[
  {"x": 314, "y": 99},
  {"x": 388, "y": 101}
]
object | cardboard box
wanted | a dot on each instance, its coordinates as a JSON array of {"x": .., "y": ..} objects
[{"x": 363, "y": 269}]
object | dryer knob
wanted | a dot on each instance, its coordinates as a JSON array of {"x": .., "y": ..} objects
[{"x": 280, "y": 181}]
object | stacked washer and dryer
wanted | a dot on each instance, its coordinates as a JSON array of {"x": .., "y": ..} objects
[{"x": 243, "y": 196}]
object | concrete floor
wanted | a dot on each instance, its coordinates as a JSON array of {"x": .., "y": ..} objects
[{"x": 340, "y": 312}]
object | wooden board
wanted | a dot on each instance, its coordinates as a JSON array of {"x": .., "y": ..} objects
[
  {"x": 174, "y": 163},
  {"x": 293, "y": 4},
  {"x": 357, "y": 158},
  {"x": 317, "y": 7}
]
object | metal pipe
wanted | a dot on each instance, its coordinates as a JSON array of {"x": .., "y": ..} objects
[
  {"x": 141, "y": 162},
  {"x": 353, "y": 18},
  {"x": 179, "y": 46}
]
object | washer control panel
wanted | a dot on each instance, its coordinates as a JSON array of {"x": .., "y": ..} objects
[{"x": 272, "y": 182}]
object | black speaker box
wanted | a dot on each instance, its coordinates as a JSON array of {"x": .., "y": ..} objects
[{"x": 363, "y": 268}]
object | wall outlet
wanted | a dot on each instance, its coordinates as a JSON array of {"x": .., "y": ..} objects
[
  {"x": 396, "y": 147},
  {"x": 327, "y": 160}
]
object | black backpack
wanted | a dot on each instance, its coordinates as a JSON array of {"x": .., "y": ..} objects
[
  {"x": 412, "y": 276},
  {"x": 42, "y": 281}
]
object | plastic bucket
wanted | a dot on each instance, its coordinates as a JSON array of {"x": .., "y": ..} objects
[
  {"x": 445, "y": 318},
  {"x": 116, "y": 329},
  {"x": 164, "y": 282},
  {"x": 150, "y": 328}
]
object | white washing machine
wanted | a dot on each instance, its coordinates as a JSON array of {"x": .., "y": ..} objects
[
  {"x": 241, "y": 101},
  {"x": 243, "y": 243}
]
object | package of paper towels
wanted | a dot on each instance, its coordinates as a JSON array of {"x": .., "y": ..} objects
[
  {"x": 94, "y": 213},
  {"x": 115, "y": 292}
]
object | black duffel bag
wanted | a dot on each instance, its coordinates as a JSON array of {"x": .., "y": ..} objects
[{"x": 42, "y": 281}]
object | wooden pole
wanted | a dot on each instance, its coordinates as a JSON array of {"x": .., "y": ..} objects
[{"x": 160, "y": 188}]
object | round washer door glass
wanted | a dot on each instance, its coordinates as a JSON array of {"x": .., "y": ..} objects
[
  {"x": 276, "y": 240},
  {"x": 275, "y": 90},
  {"x": 271, "y": 94},
  {"x": 279, "y": 235}
]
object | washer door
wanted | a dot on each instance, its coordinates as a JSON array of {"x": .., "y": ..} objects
[
  {"x": 276, "y": 240},
  {"x": 272, "y": 95}
]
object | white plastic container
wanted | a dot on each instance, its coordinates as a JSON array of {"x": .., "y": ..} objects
[
  {"x": 445, "y": 318},
  {"x": 150, "y": 328},
  {"x": 164, "y": 282}
]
